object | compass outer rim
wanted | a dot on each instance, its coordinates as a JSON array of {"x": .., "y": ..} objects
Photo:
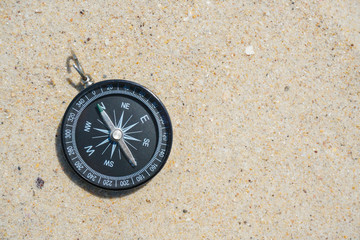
[{"x": 169, "y": 131}]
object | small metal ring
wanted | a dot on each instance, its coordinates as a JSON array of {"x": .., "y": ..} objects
[{"x": 86, "y": 79}]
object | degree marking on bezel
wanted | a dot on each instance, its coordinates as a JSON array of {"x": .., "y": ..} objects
[{"x": 148, "y": 105}]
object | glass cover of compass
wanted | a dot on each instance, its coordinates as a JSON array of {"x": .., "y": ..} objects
[{"x": 116, "y": 134}]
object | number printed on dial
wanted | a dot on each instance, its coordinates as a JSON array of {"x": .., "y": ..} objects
[{"x": 116, "y": 134}]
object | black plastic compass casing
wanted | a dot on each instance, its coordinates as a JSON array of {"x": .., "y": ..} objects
[{"x": 95, "y": 155}]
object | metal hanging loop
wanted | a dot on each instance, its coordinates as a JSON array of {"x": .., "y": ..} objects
[{"x": 85, "y": 79}]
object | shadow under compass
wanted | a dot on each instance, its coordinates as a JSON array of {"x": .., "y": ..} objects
[{"x": 69, "y": 171}]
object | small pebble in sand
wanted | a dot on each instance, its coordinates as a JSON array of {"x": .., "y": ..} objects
[
  {"x": 39, "y": 183},
  {"x": 249, "y": 50}
]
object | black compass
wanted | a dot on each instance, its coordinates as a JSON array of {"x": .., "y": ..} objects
[{"x": 116, "y": 134}]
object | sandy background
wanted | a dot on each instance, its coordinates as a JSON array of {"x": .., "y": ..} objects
[{"x": 264, "y": 100}]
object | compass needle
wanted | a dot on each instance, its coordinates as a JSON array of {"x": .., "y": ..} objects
[
  {"x": 106, "y": 118},
  {"x": 127, "y": 152},
  {"x": 116, "y": 134}
]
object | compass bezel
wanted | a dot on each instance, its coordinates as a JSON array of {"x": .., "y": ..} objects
[{"x": 163, "y": 121}]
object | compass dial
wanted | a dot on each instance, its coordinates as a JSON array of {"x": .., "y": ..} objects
[{"x": 116, "y": 134}]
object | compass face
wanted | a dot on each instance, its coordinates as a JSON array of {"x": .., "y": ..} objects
[{"x": 116, "y": 134}]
